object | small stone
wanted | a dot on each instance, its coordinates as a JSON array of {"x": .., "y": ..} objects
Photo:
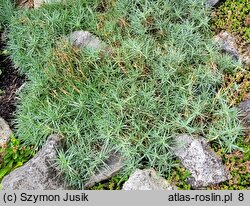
[
  {"x": 244, "y": 108},
  {"x": 247, "y": 21},
  {"x": 147, "y": 179},
  {"x": 84, "y": 39},
  {"x": 113, "y": 165},
  {"x": 24, "y": 3},
  {"x": 212, "y": 2},
  {"x": 227, "y": 43},
  {"x": 5, "y": 132},
  {"x": 38, "y": 3},
  {"x": 201, "y": 161},
  {"x": 40, "y": 172}
]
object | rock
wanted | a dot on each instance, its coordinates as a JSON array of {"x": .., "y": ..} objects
[
  {"x": 24, "y": 3},
  {"x": 227, "y": 43},
  {"x": 38, "y": 3},
  {"x": 39, "y": 173},
  {"x": 212, "y": 2},
  {"x": 146, "y": 179},
  {"x": 247, "y": 21},
  {"x": 244, "y": 108},
  {"x": 114, "y": 164},
  {"x": 205, "y": 166},
  {"x": 84, "y": 39},
  {"x": 5, "y": 132},
  {"x": 33, "y": 3}
]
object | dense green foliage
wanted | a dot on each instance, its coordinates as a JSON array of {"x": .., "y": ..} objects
[
  {"x": 115, "y": 183},
  {"x": 162, "y": 79},
  {"x": 179, "y": 177},
  {"x": 234, "y": 16},
  {"x": 14, "y": 155}
]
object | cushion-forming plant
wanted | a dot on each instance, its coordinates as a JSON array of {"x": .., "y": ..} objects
[{"x": 162, "y": 78}]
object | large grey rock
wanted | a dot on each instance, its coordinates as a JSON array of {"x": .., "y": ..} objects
[
  {"x": 205, "y": 166},
  {"x": 212, "y": 2},
  {"x": 113, "y": 165},
  {"x": 5, "y": 132},
  {"x": 227, "y": 43},
  {"x": 146, "y": 179},
  {"x": 244, "y": 108},
  {"x": 39, "y": 173},
  {"x": 84, "y": 39}
]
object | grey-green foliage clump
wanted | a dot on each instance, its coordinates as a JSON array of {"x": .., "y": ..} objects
[{"x": 162, "y": 78}]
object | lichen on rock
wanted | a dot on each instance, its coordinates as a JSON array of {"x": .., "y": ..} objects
[{"x": 205, "y": 166}]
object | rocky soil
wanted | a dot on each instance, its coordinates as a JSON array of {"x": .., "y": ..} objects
[{"x": 10, "y": 82}]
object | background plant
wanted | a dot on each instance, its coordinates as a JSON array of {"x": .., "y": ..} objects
[
  {"x": 14, "y": 155},
  {"x": 234, "y": 16},
  {"x": 115, "y": 183},
  {"x": 238, "y": 164},
  {"x": 179, "y": 177}
]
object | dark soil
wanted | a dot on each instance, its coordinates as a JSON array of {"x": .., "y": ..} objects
[{"x": 10, "y": 82}]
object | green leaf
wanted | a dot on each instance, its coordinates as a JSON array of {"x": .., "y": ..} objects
[
  {"x": 10, "y": 164},
  {"x": 7, "y": 156},
  {"x": 6, "y": 52},
  {"x": 15, "y": 156},
  {"x": 19, "y": 164},
  {"x": 4, "y": 171}
]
